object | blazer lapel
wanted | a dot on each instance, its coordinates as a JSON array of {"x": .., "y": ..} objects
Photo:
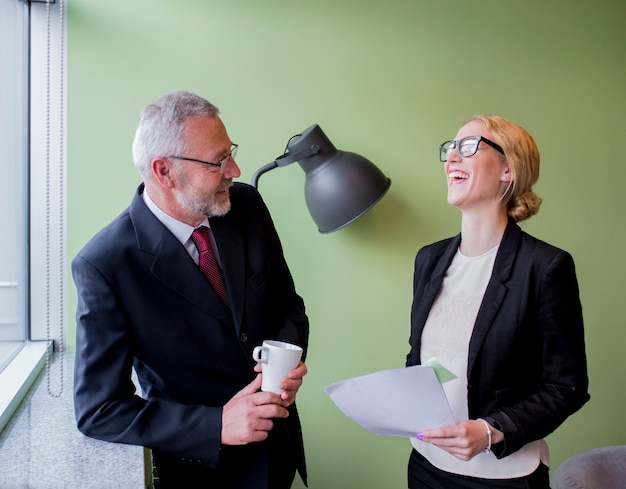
[
  {"x": 496, "y": 290},
  {"x": 431, "y": 289},
  {"x": 230, "y": 245},
  {"x": 171, "y": 264}
]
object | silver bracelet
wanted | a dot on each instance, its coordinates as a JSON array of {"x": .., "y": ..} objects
[{"x": 488, "y": 449}]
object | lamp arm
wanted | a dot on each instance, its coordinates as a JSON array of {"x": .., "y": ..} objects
[
  {"x": 261, "y": 171},
  {"x": 283, "y": 160}
]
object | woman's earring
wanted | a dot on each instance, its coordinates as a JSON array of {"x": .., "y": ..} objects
[{"x": 508, "y": 187}]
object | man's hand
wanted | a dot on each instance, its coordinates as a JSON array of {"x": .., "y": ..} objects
[
  {"x": 291, "y": 384},
  {"x": 247, "y": 417}
]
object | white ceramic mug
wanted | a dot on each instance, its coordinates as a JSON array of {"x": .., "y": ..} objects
[{"x": 277, "y": 358}]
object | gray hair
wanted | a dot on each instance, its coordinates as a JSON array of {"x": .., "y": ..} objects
[{"x": 161, "y": 125}]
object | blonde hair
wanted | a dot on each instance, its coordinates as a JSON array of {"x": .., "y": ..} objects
[{"x": 522, "y": 154}]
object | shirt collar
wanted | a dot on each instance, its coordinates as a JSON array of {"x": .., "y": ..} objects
[{"x": 179, "y": 229}]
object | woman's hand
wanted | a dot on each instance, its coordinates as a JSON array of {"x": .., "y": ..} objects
[{"x": 465, "y": 440}]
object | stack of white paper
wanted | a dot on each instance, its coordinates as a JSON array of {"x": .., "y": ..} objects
[{"x": 398, "y": 402}]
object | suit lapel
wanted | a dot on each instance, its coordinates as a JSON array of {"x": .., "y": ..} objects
[
  {"x": 171, "y": 264},
  {"x": 496, "y": 290},
  {"x": 230, "y": 245},
  {"x": 431, "y": 289}
]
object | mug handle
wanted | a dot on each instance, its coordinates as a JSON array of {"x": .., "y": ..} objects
[{"x": 259, "y": 354}]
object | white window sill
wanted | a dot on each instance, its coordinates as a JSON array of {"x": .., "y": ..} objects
[
  {"x": 41, "y": 447},
  {"x": 18, "y": 377}
]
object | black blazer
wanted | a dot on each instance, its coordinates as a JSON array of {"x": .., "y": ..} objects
[
  {"x": 143, "y": 302},
  {"x": 527, "y": 366}
]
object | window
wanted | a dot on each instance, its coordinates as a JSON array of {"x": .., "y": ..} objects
[
  {"x": 32, "y": 192},
  {"x": 14, "y": 181}
]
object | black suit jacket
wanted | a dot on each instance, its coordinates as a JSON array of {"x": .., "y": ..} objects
[
  {"x": 527, "y": 366},
  {"x": 143, "y": 302}
]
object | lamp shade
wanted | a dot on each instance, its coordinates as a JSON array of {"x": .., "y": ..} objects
[{"x": 339, "y": 186}]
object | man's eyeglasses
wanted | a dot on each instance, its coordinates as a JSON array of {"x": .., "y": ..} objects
[
  {"x": 466, "y": 146},
  {"x": 218, "y": 166}
]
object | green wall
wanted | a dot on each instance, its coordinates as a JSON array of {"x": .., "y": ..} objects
[{"x": 391, "y": 80}]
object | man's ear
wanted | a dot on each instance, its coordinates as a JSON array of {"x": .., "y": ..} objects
[{"x": 163, "y": 172}]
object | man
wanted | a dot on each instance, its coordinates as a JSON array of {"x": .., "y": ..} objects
[{"x": 144, "y": 302}]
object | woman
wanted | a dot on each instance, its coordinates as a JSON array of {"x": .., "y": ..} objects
[{"x": 501, "y": 310}]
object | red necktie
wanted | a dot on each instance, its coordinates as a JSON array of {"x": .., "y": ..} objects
[{"x": 208, "y": 263}]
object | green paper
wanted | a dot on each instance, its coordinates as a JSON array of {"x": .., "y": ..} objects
[{"x": 442, "y": 373}]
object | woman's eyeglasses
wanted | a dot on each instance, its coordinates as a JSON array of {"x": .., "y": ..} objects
[{"x": 466, "y": 146}]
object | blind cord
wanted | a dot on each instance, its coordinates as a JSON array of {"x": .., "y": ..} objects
[{"x": 61, "y": 242}]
